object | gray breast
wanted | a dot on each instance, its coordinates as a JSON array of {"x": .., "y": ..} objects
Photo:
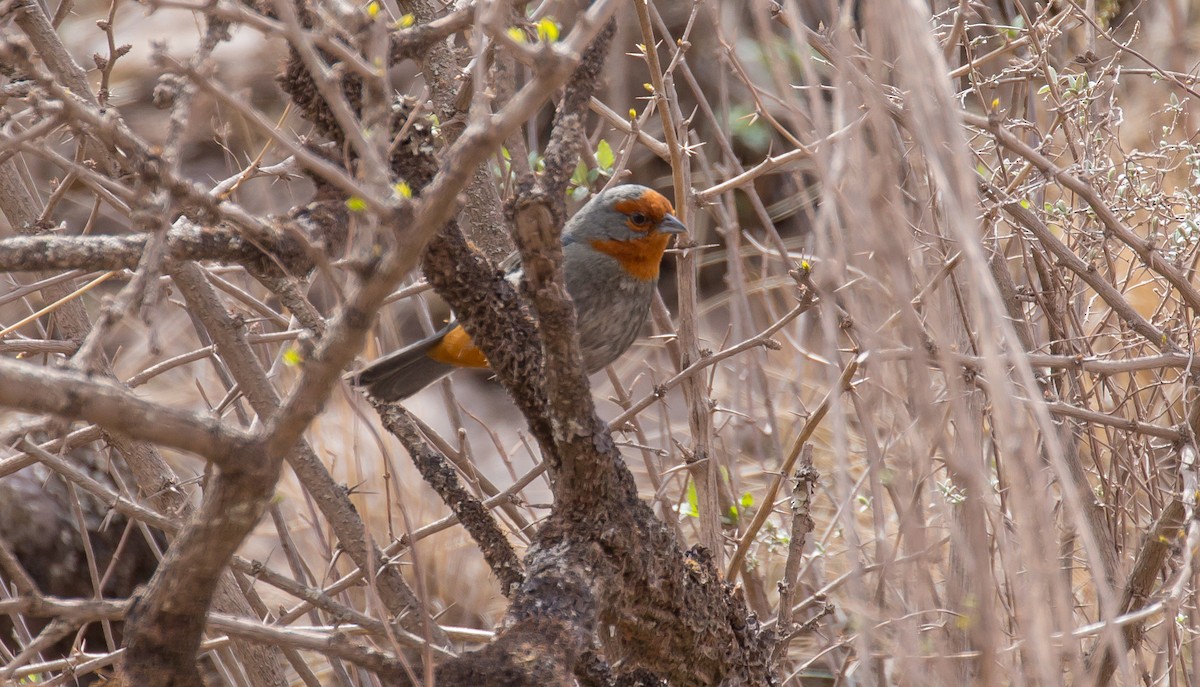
[{"x": 610, "y": 305}]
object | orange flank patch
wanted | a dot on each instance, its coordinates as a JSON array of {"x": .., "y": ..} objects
[
  {"x": 652, "y": 204},
  {"x": 640, "y": 257},
  {"x": 456, "y": 349}
]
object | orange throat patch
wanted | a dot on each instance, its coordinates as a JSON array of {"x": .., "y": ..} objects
[
  {"x": 639, "y": 257},
  {"x": 456, "y": 349}
]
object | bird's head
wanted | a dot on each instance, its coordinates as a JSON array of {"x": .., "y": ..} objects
[{"x": 631, "y": 223}]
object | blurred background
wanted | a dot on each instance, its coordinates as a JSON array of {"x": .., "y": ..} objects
[{"x": 949, "y": 543}]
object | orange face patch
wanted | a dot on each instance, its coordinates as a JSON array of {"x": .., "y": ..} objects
[
  {"x": 650, "y": 203},
  {"x": 639, "y": 257},
  {"x": 456, "y": 349}
]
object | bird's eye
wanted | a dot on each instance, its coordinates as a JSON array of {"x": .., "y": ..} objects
[{"x": 638, "y": 218}]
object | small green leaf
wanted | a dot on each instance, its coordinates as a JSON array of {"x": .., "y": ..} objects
[
  {"x": 747, "y": 500},
  {"x": 604, "y": 155},
  {"x": 693, "y": 501},
  {"x": 1025, "y": 203},
  {"x": 733, "y": 515},
  {"x": 579, "y": 177},
  {"x": 356, "y": 204}
]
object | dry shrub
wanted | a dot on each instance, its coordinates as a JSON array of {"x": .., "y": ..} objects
[{"x": 993, "y": 209}]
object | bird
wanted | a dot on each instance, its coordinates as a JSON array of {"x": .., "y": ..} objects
[{"x": 612, "y": 248}]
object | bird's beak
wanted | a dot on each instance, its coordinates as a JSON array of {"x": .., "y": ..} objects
[{"x": 672, "y": 225}]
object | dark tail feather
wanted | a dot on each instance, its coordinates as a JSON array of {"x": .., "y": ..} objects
[{"x": 396, "y": 376}]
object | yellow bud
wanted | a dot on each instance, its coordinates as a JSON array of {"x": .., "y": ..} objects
[
  {"x": 547, "y": 30},
  {"x": 292, "y": 357}
]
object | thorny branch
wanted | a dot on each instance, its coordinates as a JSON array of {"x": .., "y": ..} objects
[{"x": 929, "y": 529}]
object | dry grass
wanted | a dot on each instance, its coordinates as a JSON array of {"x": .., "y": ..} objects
[{"x": 1011, "y": 431}]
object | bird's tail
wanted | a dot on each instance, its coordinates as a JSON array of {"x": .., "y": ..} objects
[{"x": 396, "y": 376}]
